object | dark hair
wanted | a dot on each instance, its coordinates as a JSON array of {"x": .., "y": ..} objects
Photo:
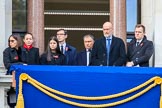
[
  {"x": 65, "y": 31},
  {"x": 140, "y": 25},
  {"x": 29, "y": 34},
  {"x": 48, "y": 51},
  {"x": 89, "y": 35},
  {"x": 17, "y": 38}
]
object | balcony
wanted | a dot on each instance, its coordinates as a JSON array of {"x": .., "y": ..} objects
[{"x": 5, "y": 82}]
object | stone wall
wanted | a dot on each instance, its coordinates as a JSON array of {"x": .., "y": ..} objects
[{"x": 5, "y": 82}]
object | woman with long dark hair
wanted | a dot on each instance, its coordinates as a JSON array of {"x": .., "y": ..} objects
[{"x": 53, "y": 55}]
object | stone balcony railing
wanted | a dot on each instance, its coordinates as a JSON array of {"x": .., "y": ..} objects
[{"x": 5, "y": 83}]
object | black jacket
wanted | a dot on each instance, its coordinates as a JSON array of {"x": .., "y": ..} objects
[
  {"x": 140, "y": 54},
  {"x": 56, "y": 59},
  {"x": 30, "y": 57},
  {"x": 71, "y": 54},
  {"x": 11, "y": 56},
  {"x": 117, "y": 55},
  {"x": 82, "y": 58}
]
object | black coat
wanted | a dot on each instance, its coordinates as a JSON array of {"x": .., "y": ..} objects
[
  {"x": 11, "y": 56},
  {"x": 71, "y": 54},
  {"x": 140, "y": 54},
  {"x": 30, "y": 57},
  {"x": 82, "y": 58},
  {"x": 117, "y": 55},
  {"x": 56, "y": 59}
]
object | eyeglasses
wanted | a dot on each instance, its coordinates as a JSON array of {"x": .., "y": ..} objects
[
  {"x": 11, "y": 41},
  {"x": 60, "y": 34}
]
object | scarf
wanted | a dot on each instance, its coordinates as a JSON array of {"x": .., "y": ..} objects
[{"x": 28, "y": 47}]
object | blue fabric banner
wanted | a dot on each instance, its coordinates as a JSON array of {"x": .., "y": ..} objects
[{"x": 88, "y": 81}]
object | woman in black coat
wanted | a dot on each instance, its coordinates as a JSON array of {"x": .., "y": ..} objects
[
  {"x": 53, "y": 55},
  {"x": 30, "y": 54},
  {"x": 12, "y": 55}
]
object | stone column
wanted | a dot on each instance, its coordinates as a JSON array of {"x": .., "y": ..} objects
[
  {"x": 118, "y": 17},
  {"x": 5, "y": 25},
  {"x": 147, "y": 19},
  {"x": 158, "y": 32},
  {"x": 35, "y": 22},
  {"x": 5, "y": 84},
  {"x": 151, "y": 18}
]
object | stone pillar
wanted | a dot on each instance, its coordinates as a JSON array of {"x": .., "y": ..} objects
[
  {"x": 151, "y": 18},
  {"x": 147, "y": 19},
  {"x": 5, "y": 84},
  {"x": 158, "y": 32},
  {"x": 118, "y": 17},
  {"x": 35, "y": 22},
  {"x": 5, "y": 25}
]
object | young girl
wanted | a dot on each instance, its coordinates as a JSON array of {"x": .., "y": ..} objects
[
  {"x": 53, "y": 55},
  {"x": 30, "y": 54}
]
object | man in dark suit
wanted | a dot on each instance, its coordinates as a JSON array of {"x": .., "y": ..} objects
[
  {"x": 84, "y": 57},
  {"x": 108, "y": 50},
  {"x": 139, "y": 49},
  {"x": 68, "y": 50}
]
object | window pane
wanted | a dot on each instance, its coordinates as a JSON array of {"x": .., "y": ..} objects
[
  {"x": 131, "y": 15},
  {"x": 19, "y": 16},
  {"x": 78, "y": 17}
]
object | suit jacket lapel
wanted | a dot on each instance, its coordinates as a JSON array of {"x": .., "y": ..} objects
[
  {"x": 112, "y": 43},
  {"x": 140, "y": 46},
  {"x": 104, "y": 42},
  {"x": 137, "y": 48},
  {"x": 66, "y": 53},
  {"x": 85, "y": 57}
]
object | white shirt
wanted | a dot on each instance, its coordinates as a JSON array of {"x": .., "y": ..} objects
[
  {"x": 87, "y": 56},
  {"x": 139, "y": 41}
]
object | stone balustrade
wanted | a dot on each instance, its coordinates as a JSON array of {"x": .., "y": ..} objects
[{"x": 5, "y": 83}]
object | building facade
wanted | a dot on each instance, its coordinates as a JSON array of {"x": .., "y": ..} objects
[{"x": 43, "y": 18}]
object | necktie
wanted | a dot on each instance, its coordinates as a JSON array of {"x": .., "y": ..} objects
[
  {"x": 62, "y": 49},
  {"x": 108, "y": 49},
  {"x": 137, "y": 43}
]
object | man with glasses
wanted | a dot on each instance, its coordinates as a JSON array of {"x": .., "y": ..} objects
[{"x": 68, "y": 50}]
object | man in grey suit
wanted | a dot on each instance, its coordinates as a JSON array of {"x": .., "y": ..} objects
[
  {"x": 139, "y": 49},
  {"x": 108, "y": 50}
]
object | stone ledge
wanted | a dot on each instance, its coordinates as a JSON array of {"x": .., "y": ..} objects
[
  {"x": 2, "y": 69},
  {"x": 5, "y": 78},
  {"x": 5, "y": 83}
]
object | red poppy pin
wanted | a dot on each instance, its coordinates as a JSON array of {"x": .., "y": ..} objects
[
  {"x": 16, "y": 57},
  {"x": 56, "y": 56},
  {"x": 141, "y": 44},
  {"x": 66, "y": 48}
]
